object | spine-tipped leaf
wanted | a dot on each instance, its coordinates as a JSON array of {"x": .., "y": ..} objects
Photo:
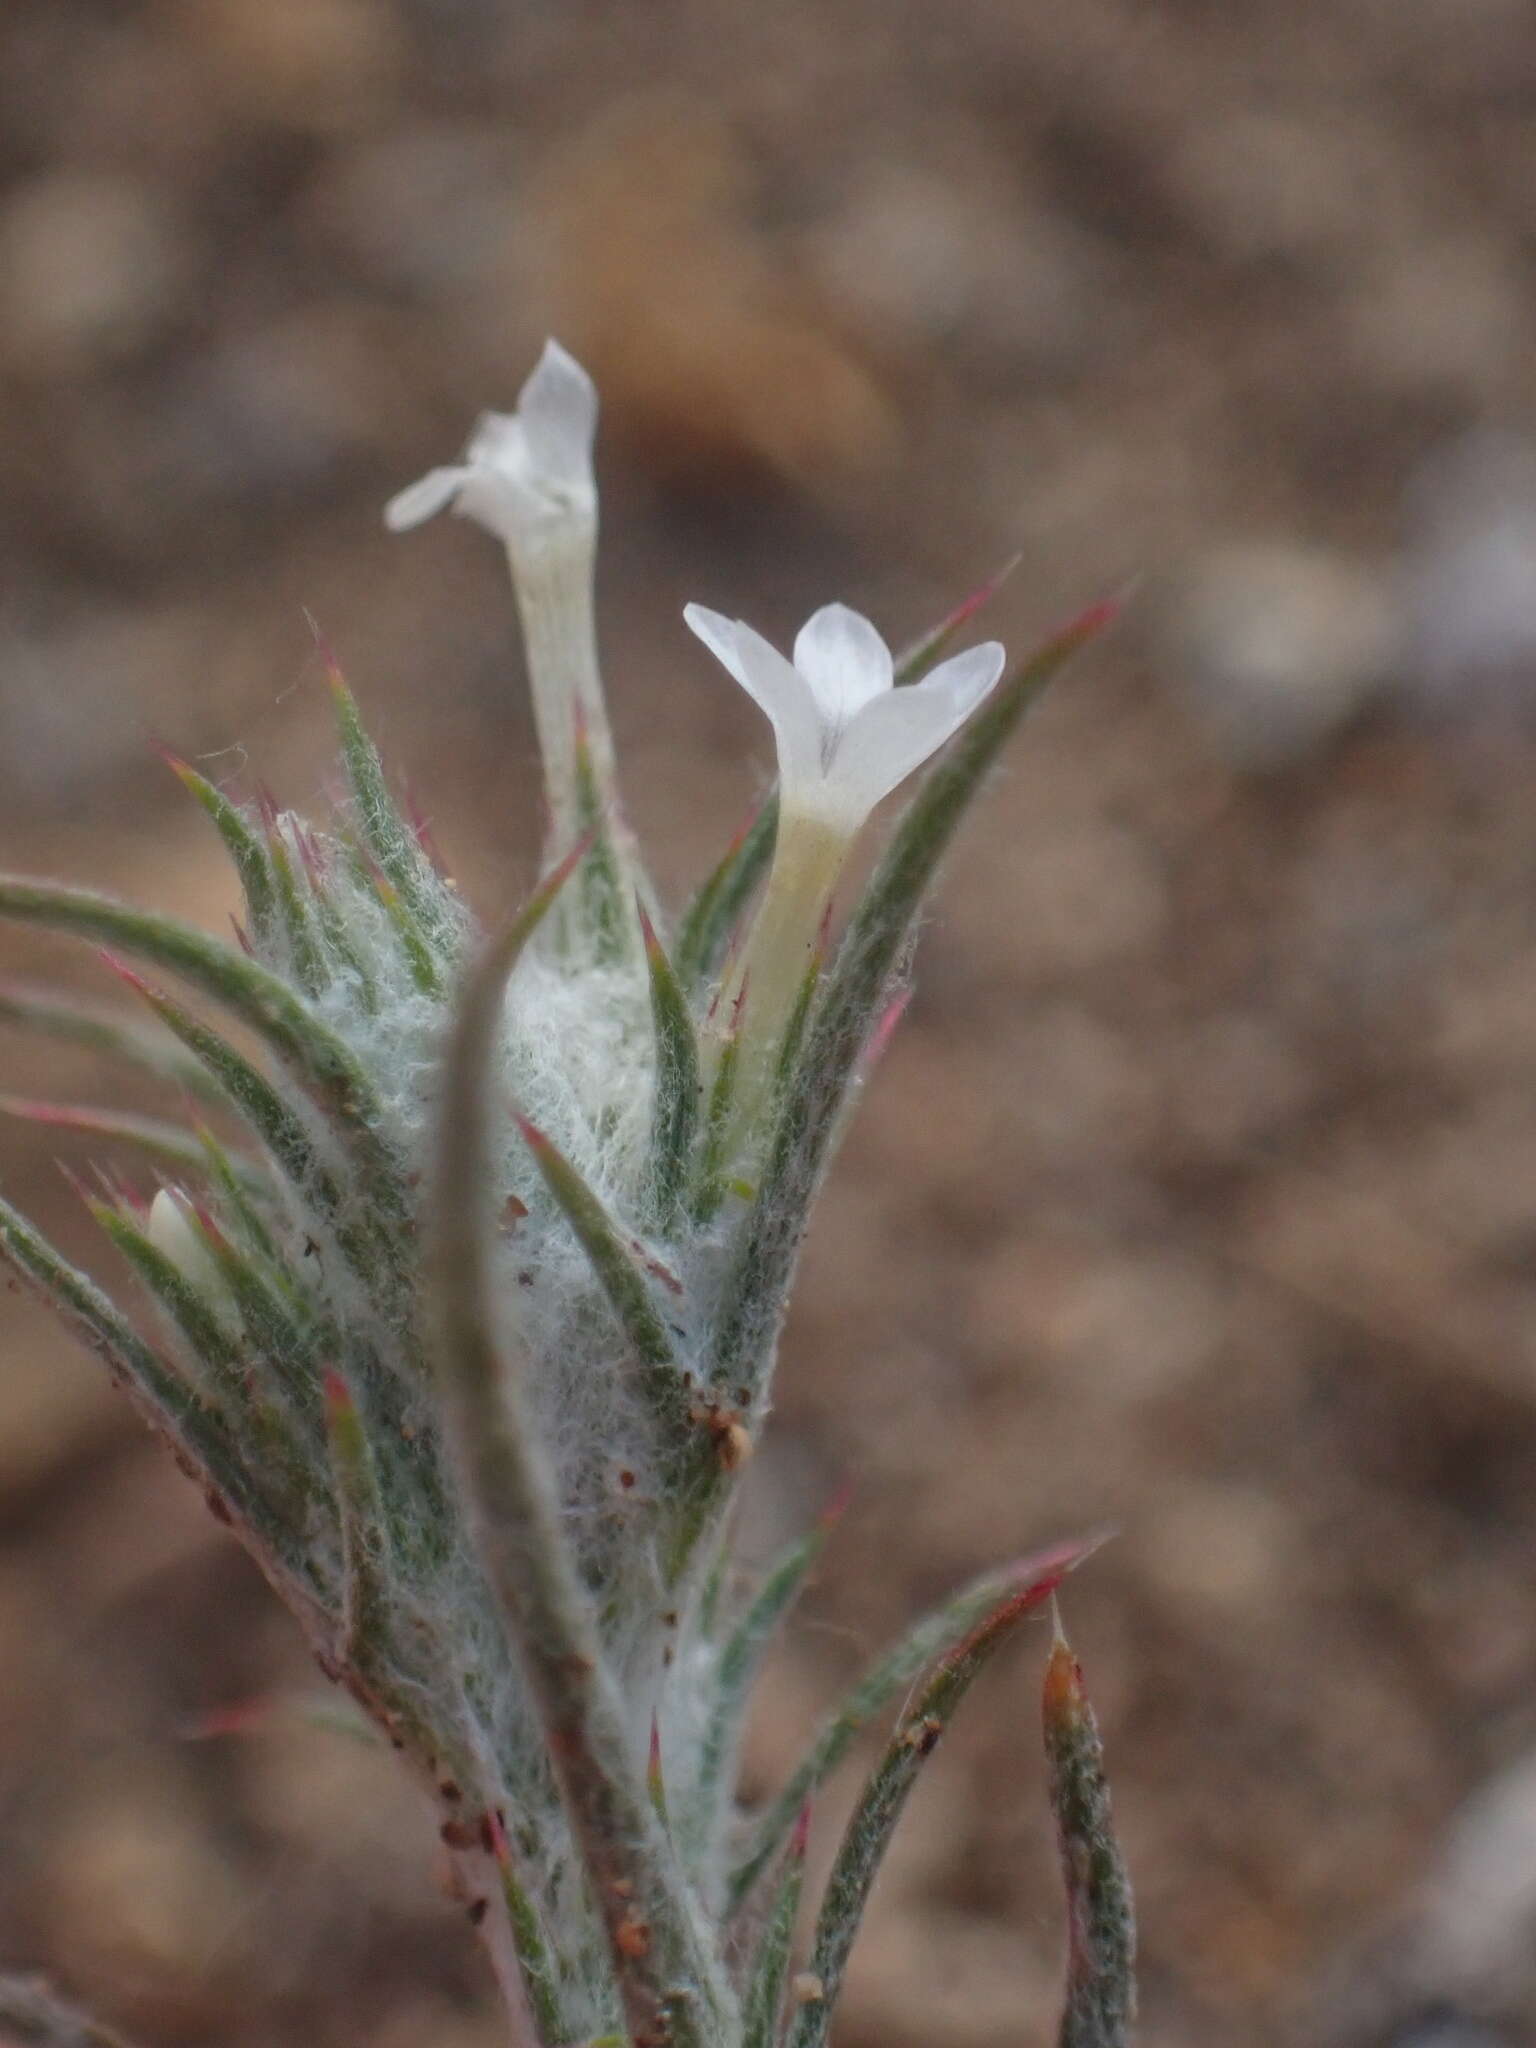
[
  {"x": 245, "y": 848},
  {"x": 318, "y": 1059},
  {"x": 741, "y": 1657},
  {"x": 676, "y": 1114},
  {"x": 391, "y": 842},
  {"x": 620, "y": 1276},
  {"x": 888, "y": 1677},
  {"x": 1100, "y": 2003},
  {"x": 869, "y": 1832},
  {"x": 723, "y": 897},
  {"x": 764, "y": 1999},
  {"x": 168, "y": 1143}
]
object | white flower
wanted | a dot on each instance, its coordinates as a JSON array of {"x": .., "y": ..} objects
[
  {"x": 527, "y": 477},
  {"x": 522, "y": 470},
  {"x": 846, "y": 736}
]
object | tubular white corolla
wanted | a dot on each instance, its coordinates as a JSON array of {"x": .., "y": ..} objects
[
  {"x": 846, "y": 737},
  {"x": 527, "y": 478}
]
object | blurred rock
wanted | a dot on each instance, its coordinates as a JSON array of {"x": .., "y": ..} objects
[
  {"x": 1447, "y": 316},
  {"x": 924, "y": 262},
  {"x": 1469, "y": 581},
  {"x": 1266, "y": 183},
  {"x": 322, "y": 67},
  {"x": 733, "y": 369},
  {"x": 1278, "y": 647},
  {"x": 93, "y": 268},
  {"x": 279, "y": 410},
  {"x": 421, "y": 210},
  {"x": 140, "y": 1895}
]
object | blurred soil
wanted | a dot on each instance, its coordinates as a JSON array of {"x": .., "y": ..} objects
[{"x": 1198, "y": 1192}]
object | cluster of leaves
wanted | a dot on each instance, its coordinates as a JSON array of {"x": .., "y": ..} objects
[{"x": 336, "y": 1365}]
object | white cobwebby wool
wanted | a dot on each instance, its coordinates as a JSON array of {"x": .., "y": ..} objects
[{"x": 578, "y": 1060}]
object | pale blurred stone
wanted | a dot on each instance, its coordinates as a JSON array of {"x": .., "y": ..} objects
[
  {"x": 1221, "y": 1547},
  {"x": 323, "y": 66},
  {"x": 1448, "y": 314},
  {"x": 137, "y": 1891},
  {"x": 1469, "y": 582},
  {"x": 1278, "y": 647},
  {"x": 92, "y": 267},
  {"x": 927, "y": 261},
  {"x": 423, "y": 209}
]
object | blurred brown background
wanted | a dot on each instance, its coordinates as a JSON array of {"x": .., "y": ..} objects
[{"x": 1198, "y": 1191}]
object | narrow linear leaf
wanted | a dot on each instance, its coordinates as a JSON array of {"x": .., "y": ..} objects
[
  {"x": 386, "y": 834},
  {"x": 914, "y": 661},
  {"x": 364, "y": 1536},
  {"x": 850, "y": 1003},
  {"x": 295, "y": 916},
  {"x": 667, "y": 1979},
  {"x": 722, "y": 898},
  {"x": 243, "y": 844},
  {"x": 322, "y": 1063},
  {"x": 200, "y": 1438},
  {"x": 344, "y": 957},
  {"x": 764, "y": 2000},
  {"x": 1100, "y": 2001},
  {"x": 279, "y": 1128},
  {"x": 620, "y": 1277},
  {"x": 742, "y": 1655},
  {"x": 709, "y": 1188},
  {"x": 533, "y": 1957},
  {"x": 676, "y": 1114},
  {"x": 869, "y": 1832},
  {"x": 161, "y": 1140},
  {"x": 243, "y": 1194},
  {"x": 415, "y": 948},
  {"x": 936, "y": 1635},
  {"x": 101, "y": 1030},
  {"x": 600, "y": 886},
  {"x": 283, "y": 1343}
]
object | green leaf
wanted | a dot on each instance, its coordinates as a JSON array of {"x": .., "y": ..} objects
[
  {"x": 914, "y": 662},
  {"x": 364, "y": 1532},
  {"x": 710, "y": 1183},
  {"x": 163, "y": 1141},
  {"x": 540, "y": 1979},
  {"x": 620, "y": 1276},
  {"x": 200, "y": 1438},
  {"x": 244, "y": 846},
  {"x": 600, "y": 886},
  {"x": 739, "y": 1662},
  {"x": 676, "y": 1115},
  {"x": 386, "y": 834},
  {"x": 869, "y": 1832},
  {"x": 1100, "y": 2001},
  {"x": 764, "y": 2000},
  {"x": 320, "y": 1061},
  {"x": 295, "y": 914},
  {"x": 279, "y": 1128},
  {"x": 719, "y": 904},
  {"x": 851, "y": 1000},
  {"x": 937, "y": 1635},
  {"x": 102, "y": 1030}
]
